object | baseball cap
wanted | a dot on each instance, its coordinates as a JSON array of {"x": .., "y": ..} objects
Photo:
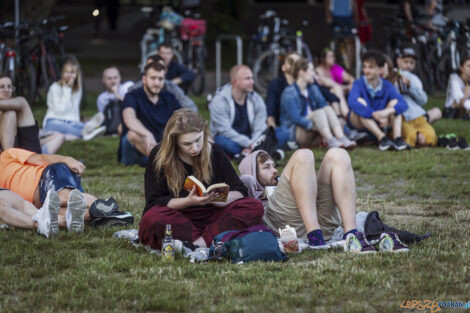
[{"x": 408, "y": 51}]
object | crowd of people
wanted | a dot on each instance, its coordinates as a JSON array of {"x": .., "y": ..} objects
[{"x": 159, "y": 127}]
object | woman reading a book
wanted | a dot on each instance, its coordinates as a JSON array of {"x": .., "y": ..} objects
[{"x": 187, "y": 150}]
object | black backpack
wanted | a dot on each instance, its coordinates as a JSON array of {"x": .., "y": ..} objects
[
  {"x": 112, "y": 116},
  {"x": 267, "y": 141}
]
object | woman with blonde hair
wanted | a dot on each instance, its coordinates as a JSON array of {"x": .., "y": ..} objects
[
  {"x": 187, "y": 149},
  {"x": 63, "y": 106}
]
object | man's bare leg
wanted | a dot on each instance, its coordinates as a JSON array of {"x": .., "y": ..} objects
[
  {"x": 300, "y": 171},
  {"x": 396, "y": 126},
  {"x": 360, "y": 123},
  {"x": 15, "y": 211},
  {"x": 8, "y": 125},
  {"x": 336, "y": 171}
]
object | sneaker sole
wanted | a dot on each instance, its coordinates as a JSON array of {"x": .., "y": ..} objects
[
  {"x": 98, "y": 131},
  {"x": 454, "y": 148},
  {"x": 384, "y": 148},
  {"x": 54, "y": 207},
  {"x": 325, "y": 247},
  {"x": 77, "y": 207},
  {"x": 400, "y": 148},
  {"x": 395, "y": 251},
  {"x": 106, "y": 222}
]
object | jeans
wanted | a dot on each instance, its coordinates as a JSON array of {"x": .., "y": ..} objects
[
  {"x": 231, "y": 147},
  {"x": 64, "y": 126},
  {"x": 58, "y": 176},
  {"x": 130, "y": 155}
]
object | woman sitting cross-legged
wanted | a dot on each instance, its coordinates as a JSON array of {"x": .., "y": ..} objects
[
  {"x": 304, "y": 111},
  {"x": 187, "y": 149}
]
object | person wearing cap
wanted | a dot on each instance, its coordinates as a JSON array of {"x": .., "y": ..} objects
[{"x": 416, "y": 127}]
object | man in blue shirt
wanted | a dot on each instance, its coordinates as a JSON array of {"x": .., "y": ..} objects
[
  {"x": 176, "y": 72},
  {"x": 376, "y": 105},
  {"x": 146, "y": 111}
]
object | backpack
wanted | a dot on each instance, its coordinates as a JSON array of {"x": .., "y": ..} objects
[
  {"x": 256, "y": 243},
  {"x": 112, "y": 116},
  {"x": 267, "y": 141}
]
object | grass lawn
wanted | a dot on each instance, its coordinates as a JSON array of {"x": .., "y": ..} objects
[{"x": 420, "y": 190}]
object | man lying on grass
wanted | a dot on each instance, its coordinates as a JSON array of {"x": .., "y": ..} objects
[
  {"x": 53, "y": 183},
  {"x": 315, "y": 207}
]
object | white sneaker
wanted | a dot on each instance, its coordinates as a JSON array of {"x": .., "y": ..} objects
[
  {"x": 47, "y": 216},
  {"x": 94, "y": 133},
  {"x": 93, "y": 123},
  {"x": 75, "y": 214}
]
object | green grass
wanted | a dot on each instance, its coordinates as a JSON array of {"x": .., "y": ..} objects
[{"x": 419, "y": 190}]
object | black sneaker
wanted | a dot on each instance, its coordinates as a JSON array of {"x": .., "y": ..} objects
[
  {"x": 452, "y": 144},
  {"x": 463, "y": 145},
  {"x": 442, "y": 141},
  {"x": 385, "y": 143},
  {"x": 449, "y": 113},
  {"x": 399, "y": 144},
  {"x": 116, "y": 218}
]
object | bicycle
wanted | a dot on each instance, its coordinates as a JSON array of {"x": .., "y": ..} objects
[{"x": 268, "y": 63}]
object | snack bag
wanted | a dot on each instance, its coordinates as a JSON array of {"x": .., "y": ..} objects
[{"x": 289, "y": 239}]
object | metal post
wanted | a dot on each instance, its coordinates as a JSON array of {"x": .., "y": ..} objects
[
  {"x": 17, "y": 20},
  {"x": 358, "y": 56},
  {"x": 218, "y": 55}
]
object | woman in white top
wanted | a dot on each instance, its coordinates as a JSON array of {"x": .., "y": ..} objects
[
  {"x": 63, "y": 106},
  {"x": 458, "y": 91}
]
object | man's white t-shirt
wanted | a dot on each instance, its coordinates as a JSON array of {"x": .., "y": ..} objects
[
  {"x": 455, "y": 91},
  {"x": 105, "y": 97}
]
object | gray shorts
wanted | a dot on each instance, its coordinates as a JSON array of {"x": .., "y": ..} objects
[{"x": 281, "y": 210}]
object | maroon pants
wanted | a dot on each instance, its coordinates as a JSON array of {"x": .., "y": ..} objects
[{"x": 192, "y": 223}]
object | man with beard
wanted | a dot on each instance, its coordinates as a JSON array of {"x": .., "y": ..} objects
[{"x": 146, "y": 111}]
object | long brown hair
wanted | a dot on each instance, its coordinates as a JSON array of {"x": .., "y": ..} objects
[
  {"x": 77, "y": 84},
  {"x": 393, "y": 75},
  {"x": 167, "y": 161}
]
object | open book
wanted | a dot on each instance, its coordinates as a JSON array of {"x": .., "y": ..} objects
[{"x": 221, "y": 188}]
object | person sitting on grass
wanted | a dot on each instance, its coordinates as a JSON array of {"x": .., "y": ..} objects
[
  {"x": 238, "y": 114},
  {"x": 63, "y": 106},
  {"x": 146, "y": 111},
  {"x": 176, "y": 72},
  {"x": 187, "y": 149},
  {"x": 315, "y": 207},
  {"x": 329, "y": 69},
  {"x": 115, "y": 91},
  {"x": 170, "y": 86},
  {"x": 458, "y": 92},
  {"x": 18, "y": 126},
  {"x": 305, "y": 111},
  {"x": 376, "y": 105},
  {"x": 416, "y": 126},
  {"x": 32, "y": 176}
]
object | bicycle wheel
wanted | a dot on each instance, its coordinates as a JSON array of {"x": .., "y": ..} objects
[
  {"x": 255, "y": 49},
  {"x": 266, "y": 68},
  {"x": 199, "y": 69}
]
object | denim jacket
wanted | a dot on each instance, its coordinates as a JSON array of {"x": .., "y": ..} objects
[{"x": 294, "y": 107}]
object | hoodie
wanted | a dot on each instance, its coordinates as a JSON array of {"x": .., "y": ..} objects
[{"x": 248, "y": 172}]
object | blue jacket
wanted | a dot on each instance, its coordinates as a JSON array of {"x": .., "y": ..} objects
[
  {"x": 379, "y": 102},
  {"x": 294, "y": 107},
  {"x": 178, "y": 70}
]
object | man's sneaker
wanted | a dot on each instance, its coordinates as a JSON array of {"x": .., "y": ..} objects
[
  {"x": 333, "y": 142},
  {"x": 75, "y": 214},
  {"x": 357, "y": 243},
  {"x": 463, "y": 145},
  {"x": 47, "y": 216},
  {"x": 95, "y": 122},
  {"x": 279, "y": 155},
  {"x": 94, "y": 133},
  {"x": 450, "y": 112},
  {"x": 103, "y": 208},
  {"x": 442, "y": 141},
  {"x": 399, "y": 144},
  {"x": 116, "y": 218},
  {"x": 452, "y": 143},
  {"x": 292, "y": 145},
  {"x": 389, "y": 242},
  {"x": 348, "y": 144},
  {"x": 316, "y": 241},
  {"x": 385, "y": 143}
]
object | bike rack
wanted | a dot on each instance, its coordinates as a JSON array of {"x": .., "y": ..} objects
[
  {"x": 358, "y": 56},
  {"x": 218, "y": 55}
]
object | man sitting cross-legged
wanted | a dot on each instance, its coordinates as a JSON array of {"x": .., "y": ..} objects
[
  {"x": 314, "y": 207},
  {"x": 32, "y": 176},
  {"x": 375, "y": 103},
  {"x": 145, "y": 113}
]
